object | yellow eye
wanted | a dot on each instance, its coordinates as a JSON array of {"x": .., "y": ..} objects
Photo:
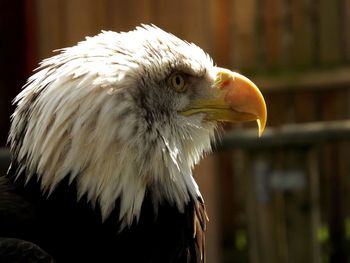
[{"x": 177, "y": 81}]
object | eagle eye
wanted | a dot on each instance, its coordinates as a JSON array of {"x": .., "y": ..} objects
[{"x": 177, "y": 82}]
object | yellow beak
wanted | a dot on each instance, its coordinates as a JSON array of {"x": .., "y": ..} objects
[{"x": 235, "y": 99}]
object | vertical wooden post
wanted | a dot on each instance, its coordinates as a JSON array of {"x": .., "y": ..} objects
[
  {"x": 220, "y": 13},
  {"x": 272, "y": 34},
  {"x": 344, "y": 14},
  {"x": 313, "y": 167},
  {"x": 31, "y": 52},
  {"x": 302, "y": 32},
  {"x": 329, "y": 31},
  {"x": 51, "y": 36},
  {"x": 205, "y": 174},
  {"x": 244, "y": 34},
  {"x": 252, "y": 213}
]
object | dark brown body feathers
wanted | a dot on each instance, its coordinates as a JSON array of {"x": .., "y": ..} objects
[{"x": 73, "y": 231}]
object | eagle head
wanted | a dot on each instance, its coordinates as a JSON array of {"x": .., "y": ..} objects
[{"x": 127, "y": 113}]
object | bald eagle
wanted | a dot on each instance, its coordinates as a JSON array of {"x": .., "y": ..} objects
[{"x": 103, "y": 141}]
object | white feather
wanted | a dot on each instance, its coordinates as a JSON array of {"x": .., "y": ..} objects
[{"x": 79, "y": 120}]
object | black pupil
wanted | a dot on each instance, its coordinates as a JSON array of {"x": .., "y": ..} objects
[{"x": 177, "y": 80}]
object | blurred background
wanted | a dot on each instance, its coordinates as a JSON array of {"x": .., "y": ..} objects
[{"x": 282, "y": 198}]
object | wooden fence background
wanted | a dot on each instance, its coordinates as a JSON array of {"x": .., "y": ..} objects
[{"x": 283, "y": 203}]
